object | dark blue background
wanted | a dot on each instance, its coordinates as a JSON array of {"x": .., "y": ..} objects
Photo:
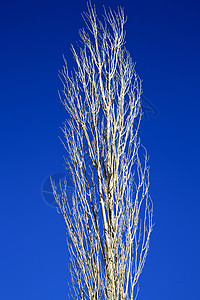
[{"x": 163, "y": 38}]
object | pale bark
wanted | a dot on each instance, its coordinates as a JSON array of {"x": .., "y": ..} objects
[{"x": 109, "y": 219}]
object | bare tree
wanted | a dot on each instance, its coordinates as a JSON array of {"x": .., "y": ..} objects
[{"x": 109, "y": 217}]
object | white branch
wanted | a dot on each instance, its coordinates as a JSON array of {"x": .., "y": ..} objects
[{"x": 109, "y": 218}]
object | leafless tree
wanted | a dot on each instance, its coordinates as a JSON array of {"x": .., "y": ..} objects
[{"x": 109, "y": 216}]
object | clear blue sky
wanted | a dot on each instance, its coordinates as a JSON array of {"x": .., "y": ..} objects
[{"x": 163, "y": 38}]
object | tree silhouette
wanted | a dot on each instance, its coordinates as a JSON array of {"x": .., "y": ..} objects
[{"x": 109, "y": 216}]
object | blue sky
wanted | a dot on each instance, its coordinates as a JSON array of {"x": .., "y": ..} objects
[{"x": 163, "y": 38}]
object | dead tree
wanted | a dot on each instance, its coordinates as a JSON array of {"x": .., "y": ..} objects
[{"x": 109, "y": 217}]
